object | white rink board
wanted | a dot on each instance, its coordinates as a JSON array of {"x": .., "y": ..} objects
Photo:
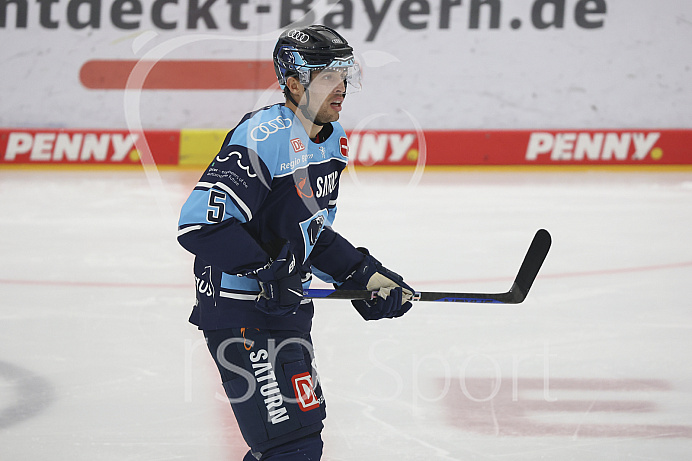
[{"x": 601, "y": 64}]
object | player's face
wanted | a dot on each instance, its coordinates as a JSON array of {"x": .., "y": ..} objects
[{"x": 327, "y": 90}]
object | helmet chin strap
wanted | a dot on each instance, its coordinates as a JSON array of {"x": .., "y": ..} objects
[{"x": 304, "y": 108}]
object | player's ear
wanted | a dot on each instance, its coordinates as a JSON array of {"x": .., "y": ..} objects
[{"x": 295, "y": 87}]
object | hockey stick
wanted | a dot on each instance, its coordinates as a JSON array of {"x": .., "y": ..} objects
[{"x": 538, "y": 250}]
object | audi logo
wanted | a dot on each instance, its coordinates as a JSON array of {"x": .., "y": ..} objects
[
  {"x": 298, "y": 36},
  {"x": 264, "y": 129}
]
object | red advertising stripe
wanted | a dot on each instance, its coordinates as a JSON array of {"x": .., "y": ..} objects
[
  {"x": 178, "y": 75},
  {"x": 499, "y": 147},
  {"x": 475, "y": 147},
  {"x": 522, "y": 147},
  {"x": 88, "y": 147}
]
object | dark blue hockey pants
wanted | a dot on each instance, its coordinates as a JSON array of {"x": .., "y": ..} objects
[{"x": 273, "y": 390}]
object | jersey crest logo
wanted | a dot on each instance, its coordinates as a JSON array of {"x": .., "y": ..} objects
[
  {"x": 297, "y": 145},
  {"x": 314, "y": 229}
]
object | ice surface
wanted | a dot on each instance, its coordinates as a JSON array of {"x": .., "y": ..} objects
[{"x": 98, "y": 362}]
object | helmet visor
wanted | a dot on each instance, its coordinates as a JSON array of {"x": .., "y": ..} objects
[{"x": 325, "y": 80}]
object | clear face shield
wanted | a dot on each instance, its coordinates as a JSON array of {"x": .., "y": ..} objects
[{"x": 344, "y": 74}]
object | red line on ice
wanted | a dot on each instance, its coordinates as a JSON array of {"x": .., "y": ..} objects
[{"x": 559, "y": 275}]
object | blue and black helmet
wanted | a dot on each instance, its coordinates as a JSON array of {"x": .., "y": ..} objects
[{"x": 300, "y": 51}]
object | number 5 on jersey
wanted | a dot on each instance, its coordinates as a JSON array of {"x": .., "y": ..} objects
[{"x": 217, "y": 206}]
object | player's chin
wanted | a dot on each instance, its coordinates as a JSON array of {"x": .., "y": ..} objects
[{"x": 329, "y": 116}]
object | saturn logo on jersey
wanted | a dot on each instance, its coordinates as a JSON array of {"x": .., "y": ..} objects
[
  {"x": 303, "y": 188},
  {"x": 264, "y": 129},
  {"x": 327, "y": 183}
]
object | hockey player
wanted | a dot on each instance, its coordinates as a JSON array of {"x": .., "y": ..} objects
[{"x": 259, "y": 224}]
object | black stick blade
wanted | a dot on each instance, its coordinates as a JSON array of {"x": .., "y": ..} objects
[{"x": 531, "y": 265}]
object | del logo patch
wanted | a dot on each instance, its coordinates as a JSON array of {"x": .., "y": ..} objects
[{"x": 305, "y": 394}]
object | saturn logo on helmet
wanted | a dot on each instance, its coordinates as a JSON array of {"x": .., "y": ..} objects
[{"x": 298, "y": 36}]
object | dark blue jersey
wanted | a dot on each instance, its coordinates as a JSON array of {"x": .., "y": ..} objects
[{"x": 270, "y": 183}]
